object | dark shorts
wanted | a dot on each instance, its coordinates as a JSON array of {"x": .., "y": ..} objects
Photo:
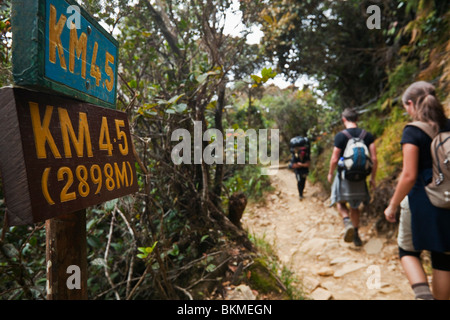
[{"x": 439, "y": 260}]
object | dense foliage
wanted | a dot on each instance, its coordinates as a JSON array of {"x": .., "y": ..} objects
[
  {"x": 177, "y": 66},
  {"x": 330, "y": 41},
  {"x": 172, "y": 236}
]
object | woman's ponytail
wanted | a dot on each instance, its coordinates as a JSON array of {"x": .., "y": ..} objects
[{"x": 427, "y": 106}]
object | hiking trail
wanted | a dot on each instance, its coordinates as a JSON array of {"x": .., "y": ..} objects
[{"x": 307, "y": 236}]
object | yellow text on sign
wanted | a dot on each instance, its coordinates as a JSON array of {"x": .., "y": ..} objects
[
  {"x": 78, "y": 183},
  {"x": 81, "y": 142},
  {"x": 77, "y": 49}
]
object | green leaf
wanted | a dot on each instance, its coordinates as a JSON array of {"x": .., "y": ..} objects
[
  {"x": 175, "y": 250},
  {"x": 256, "y": 78},
  {"x": 94, "y": 242},
  {"x": 201, "y": 78},
  {"x": 268, "y": 73},
  {"x": 133, "y": 84},
  {"x": 99, "y": 262},
  {"x": 142, "y": 249},
  {"x": 109, "y": 205},
  {"x": 146, "y": 251},
  {"x": 91, "y": 223},
  {"x": 180, "y": 107},
  {"x": 10, "y": 250},
  {"x": 175, "y": 99},
  {"x": 149, "y": 250},
  {"x": 210, "y": 268}
]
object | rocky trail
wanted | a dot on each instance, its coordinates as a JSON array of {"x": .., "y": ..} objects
[{"x": 307, "y": 236}]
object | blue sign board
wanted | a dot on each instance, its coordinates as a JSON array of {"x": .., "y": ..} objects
[
  {"x": 58, "y": 46},
  {"x": 87, "y": 60}
]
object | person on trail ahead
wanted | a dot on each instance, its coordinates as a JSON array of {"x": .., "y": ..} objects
[
  {"x": 300, "y": 162},
  {"x": 346, "y": 187},
  {"x": 429, "y": 226}
]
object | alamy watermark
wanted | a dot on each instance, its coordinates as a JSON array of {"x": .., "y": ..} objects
[
  {"x": 74, "y": 280},
  {"x": 74, "y": 20},
  {"x": 374, "y": 280},
  {"x": 234, "y": 150},
  {"x": 374, "y": 20}
]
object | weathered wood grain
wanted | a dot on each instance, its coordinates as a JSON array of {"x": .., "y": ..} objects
[{"x": 86, "y": 156}]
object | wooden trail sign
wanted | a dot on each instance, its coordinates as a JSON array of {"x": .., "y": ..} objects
[
  {"x": 58, "y": 46},
  {"x": 60, "y": 156}
]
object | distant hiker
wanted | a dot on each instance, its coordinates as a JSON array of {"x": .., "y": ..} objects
[
  {"x": 429, "y": 224},
  {"x": 300, "y": 161},
  {"x": 349, "y": 184}
]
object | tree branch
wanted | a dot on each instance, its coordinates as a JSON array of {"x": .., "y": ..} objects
[{"x": 168, "y": 35}]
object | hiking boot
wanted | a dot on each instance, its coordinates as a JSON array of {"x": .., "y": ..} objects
[
  {"x": 357, "y": 240},
  {"x": 301, "y": 198},
  {"x": 349, "y": 231}
]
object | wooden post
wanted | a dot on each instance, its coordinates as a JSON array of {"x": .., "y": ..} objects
[{"x": 66, "y": 246}]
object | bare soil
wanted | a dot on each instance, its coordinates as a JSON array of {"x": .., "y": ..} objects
[{"x": 307, "y": 236}]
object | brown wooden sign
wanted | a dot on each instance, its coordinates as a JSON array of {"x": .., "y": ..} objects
[{"x": 59, "y": 155}]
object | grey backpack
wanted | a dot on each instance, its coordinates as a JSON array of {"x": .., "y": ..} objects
[
  {"x": 438, "y": 190},
  {"x": 357, "y": 161}
]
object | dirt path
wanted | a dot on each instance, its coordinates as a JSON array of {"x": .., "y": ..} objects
[{"x": 308, "y": 237}]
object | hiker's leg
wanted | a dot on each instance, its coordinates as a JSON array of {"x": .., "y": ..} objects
[
  {"x": 441, "y": 275},
  {"x": 441, "y": 284},
  {"x": 354, "y": 216},
  {"x": 345, "y": 214},
  {"x": 343, "y": 210},
  {"x": 299, "y": 178},
  {"x": 413, "y": 268},
  {"x": 301, "y": 185},
  {"x": 412, "y": 265}
]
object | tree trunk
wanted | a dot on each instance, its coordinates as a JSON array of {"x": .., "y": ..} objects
[{"x": 217, "y": 189}]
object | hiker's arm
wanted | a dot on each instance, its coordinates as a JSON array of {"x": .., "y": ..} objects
[
  {"x": 407, "y": 180},
  {"x": 333, "y": 163},
  {"x": 301, "y": 165},
  {"x": 297, "y": 165},
  {"x": 373, "y": 155},
  {"x": 291, "y": 163}
]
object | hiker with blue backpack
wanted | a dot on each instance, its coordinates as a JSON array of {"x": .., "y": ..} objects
[
  {"x": 354, "y": 156},
  {"x": 300, "y": 161},
  {"x": 425, "y": 180}
]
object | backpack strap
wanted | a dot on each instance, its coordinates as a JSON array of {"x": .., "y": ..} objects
[
  {"x": 363, "y": 134},
  {"x": 425, "y": 127},
  {"x": 349, "y": 136}
]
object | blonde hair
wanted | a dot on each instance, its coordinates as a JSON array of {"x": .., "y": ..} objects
[{"x": 427, "y": 107}]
